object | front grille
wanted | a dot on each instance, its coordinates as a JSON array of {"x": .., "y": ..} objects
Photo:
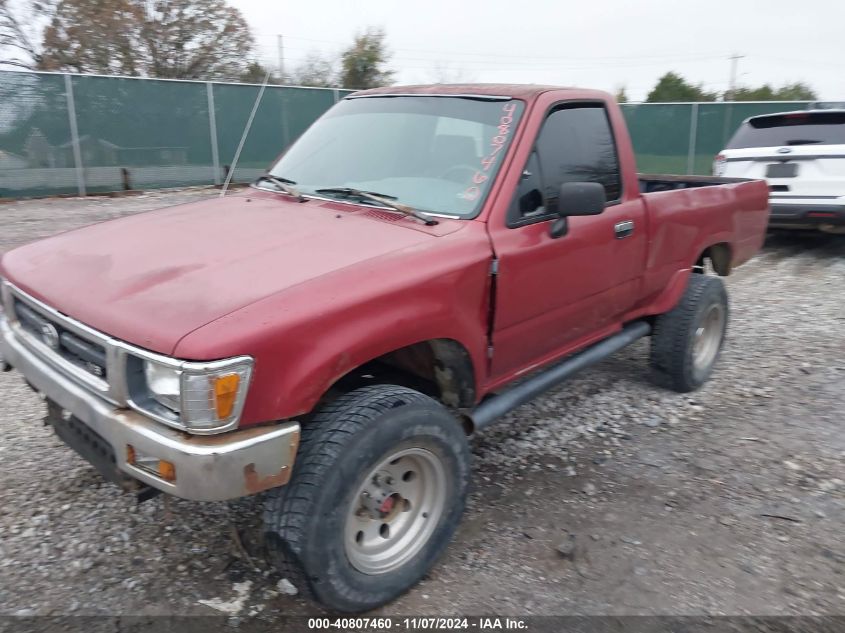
[{"x": 87, "y": 355}]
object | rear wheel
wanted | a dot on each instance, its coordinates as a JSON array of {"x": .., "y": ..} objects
[
  {"x": 377, "y": 491},
  {"x": 686, "y": 341}
]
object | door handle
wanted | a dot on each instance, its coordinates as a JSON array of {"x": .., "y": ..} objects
[{"x": 623, "y": 229}]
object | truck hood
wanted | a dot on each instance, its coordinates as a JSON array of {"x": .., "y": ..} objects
[{"x": 151, "y": 279}]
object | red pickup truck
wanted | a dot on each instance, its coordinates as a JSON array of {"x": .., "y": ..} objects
[{"x": 331, "y": 336}]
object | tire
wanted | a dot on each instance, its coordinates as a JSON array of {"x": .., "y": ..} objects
[
  {"x": 313, "y": 534},
  {"x": 686, "y": 341}
]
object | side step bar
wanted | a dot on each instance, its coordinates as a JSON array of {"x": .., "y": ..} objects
[{"x": 494, "y": 407}]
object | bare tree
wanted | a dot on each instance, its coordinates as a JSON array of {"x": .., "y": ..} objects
[
  {"x": 442, "y": 73},
  {"x": 176, "y": 39},
  {"x": 315, "y": 70},
  {"x": 192, "y": 39},
  {"x": 21, "y": 24},
  {"x": 94, "y": 36}
]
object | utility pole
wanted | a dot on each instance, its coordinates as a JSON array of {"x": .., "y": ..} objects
[
  {"x": 281, "y": 58},
  {"x": 730, "y": 95},
  {"x": 732, "y": 84}
]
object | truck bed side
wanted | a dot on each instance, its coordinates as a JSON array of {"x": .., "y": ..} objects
[{"x": 689, "y": 215}]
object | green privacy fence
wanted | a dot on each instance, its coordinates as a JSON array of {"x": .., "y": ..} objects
[
  {"x": 683, "y": 138},
  {"x": 78, "y": 134}
]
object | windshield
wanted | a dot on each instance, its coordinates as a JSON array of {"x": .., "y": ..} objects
[
  {"x": 795, "y": 128},
  {"x": 435, "y": 154}
]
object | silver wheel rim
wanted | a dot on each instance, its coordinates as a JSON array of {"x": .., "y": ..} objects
[
  {"x": 708, "y": 337},
  {"x": 395, "y": 510}
]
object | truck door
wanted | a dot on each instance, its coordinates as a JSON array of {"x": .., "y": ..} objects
[{"x": 556, "y": 293}]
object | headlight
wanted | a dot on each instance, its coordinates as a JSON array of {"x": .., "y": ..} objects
[
  {"x": 164, "y": 384},
  {"x": 201, "y": 397}
]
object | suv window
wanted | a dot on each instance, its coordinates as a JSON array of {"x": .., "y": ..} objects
[
  {"x": 793, "y": 128},
  {"x": 575, "y": 145}
]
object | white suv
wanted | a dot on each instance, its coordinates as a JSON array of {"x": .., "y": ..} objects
[{"x": 802, "y": 157}]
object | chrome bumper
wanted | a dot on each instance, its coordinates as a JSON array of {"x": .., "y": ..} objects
[{"x": 208, "y": 468}]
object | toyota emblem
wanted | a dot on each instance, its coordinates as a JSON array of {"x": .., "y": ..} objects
[
  {"x": 784, "y": 150},
  {"x": 50, "y": 336}
]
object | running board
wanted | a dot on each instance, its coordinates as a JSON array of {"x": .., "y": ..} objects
[{"x": 494, "y": 407}]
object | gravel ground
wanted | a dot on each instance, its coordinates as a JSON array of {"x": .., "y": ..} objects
[{"x": 608, "y": 496}]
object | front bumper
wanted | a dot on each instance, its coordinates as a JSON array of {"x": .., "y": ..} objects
[
  {"x": 805, "y": 214},
  {"x": 208, "y": 468}
]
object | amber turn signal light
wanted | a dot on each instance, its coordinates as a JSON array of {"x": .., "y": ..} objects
[
  {"x": 225, "y": 394},
  {"x": 166, "y": 470},
  {"x": 158, "y": 467}
]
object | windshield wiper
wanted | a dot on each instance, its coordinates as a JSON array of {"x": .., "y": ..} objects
[
  {"x": 383, "y": 199},
  {"x": 284, "y": 184},
  {"x": 802, "y": 141}
]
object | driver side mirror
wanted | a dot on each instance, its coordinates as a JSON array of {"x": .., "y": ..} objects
[{"x": 577, "y": 198}]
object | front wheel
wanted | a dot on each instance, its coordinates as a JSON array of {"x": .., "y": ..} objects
[
  {"x": 377, "y": 491},
  {"x": 687, "y": 340}
]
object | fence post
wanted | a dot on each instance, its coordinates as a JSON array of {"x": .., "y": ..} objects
[
  {"x": 336, "y": 94},
  {"x": 726, "y": 127},
  {"x": 285, "y": 119},
  {"x": 693, "y": 139},
  {"x": 212, "y": 128},
  {"x": 74, "y": 136}
]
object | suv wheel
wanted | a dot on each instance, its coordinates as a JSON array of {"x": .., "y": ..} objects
[{"x": 377, "y": 491}]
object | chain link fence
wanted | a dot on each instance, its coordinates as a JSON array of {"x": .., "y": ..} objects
[
  {"x": 82, "y": 134},
  {"x": 78, "y": 134},
  {"x": 683, "y": 138}
]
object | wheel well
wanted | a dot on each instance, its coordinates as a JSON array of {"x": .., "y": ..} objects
[
  {"x": 441, "y": 368},
  {"x": 720, "y": 259}
]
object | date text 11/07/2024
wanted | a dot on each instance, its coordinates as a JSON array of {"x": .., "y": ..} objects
[{"x": 421, "y": 623}]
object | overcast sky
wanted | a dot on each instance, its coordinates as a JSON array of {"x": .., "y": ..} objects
[{"x": 596, "y": 44}]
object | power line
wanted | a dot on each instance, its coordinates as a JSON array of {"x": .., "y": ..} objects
[
  {"x": 586, "y": 64},
  {"x": 500, "y": 58},
  {"x": 804, "y": 62},
  {"x": 507, "y": 56}
]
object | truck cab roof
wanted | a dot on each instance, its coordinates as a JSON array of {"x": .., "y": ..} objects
[{"x": 513, "y": 91}]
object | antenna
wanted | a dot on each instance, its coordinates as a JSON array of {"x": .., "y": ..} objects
[{"x": 244, "y": 135}]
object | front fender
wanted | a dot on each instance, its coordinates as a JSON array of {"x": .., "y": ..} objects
[
  {"x": 307, "y": 337},
  {"x": 291, "y": 377}
]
